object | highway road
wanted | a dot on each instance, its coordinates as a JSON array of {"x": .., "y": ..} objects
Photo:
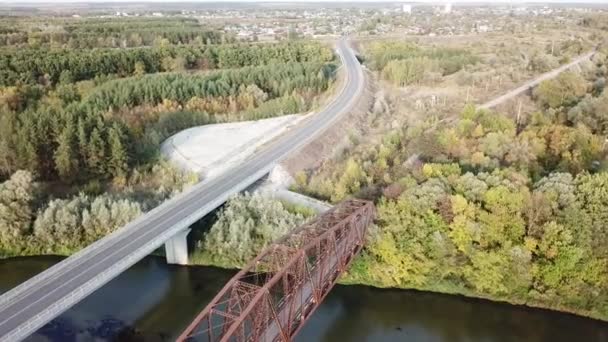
[{"x": 28, "y": 307}]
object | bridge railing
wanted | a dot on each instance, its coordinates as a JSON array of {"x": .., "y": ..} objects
[
  {"x": 102, "y": 278},
  {"x": 272, "y": 297}
]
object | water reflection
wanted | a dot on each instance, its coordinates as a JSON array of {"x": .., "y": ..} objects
[
  {"x": 356, "y": 313},
  {"x": 153, "y": 301}
]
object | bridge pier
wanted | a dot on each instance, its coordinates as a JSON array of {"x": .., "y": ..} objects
[{"x": 176, "y": 248}]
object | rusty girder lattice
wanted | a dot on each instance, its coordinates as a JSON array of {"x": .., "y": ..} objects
[{"x": 272, "y": 297}]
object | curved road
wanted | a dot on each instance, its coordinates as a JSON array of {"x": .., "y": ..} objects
[{"x": 29, "y": 306}]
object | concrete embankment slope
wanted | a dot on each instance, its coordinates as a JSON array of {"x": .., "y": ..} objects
[{"x": 210, "y": 150}]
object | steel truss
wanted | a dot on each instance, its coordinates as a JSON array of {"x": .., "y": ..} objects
[{"x": 271, "y": 298}]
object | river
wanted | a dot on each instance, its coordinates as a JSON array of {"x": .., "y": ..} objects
[{"x": 153, "y": 301}]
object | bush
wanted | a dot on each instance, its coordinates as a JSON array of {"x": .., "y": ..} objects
[
  {"x": 564, "y": 90},
  {"x": 246, "y": 225}
]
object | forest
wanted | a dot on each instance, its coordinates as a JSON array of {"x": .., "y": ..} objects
[
  {"x": 407, "y": 63},
  {"x": 103, "y": 127},
  {"x": 483, "y": 204},
  {"x": 81, "y": 128},
  {"x": 491, "y": 206},
  {"x": 479, "y": 203},
  {"x": 40, "y": 66},
  {"x": 105, "y": 32}
]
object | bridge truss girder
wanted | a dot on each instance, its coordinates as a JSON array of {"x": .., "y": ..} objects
[{"x": 271, "y": 298}]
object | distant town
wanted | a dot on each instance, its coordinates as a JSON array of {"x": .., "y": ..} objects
[{"x": 268, "y": 22}]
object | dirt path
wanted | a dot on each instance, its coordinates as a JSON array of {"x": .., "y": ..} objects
[{"x": 533, "y": 83}]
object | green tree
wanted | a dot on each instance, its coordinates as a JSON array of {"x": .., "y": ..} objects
[
  {"x": 139, "y": 69},
  {"x": 564, "y": 90},
  {"x": 350, "y": 181},
  {"x": 245, "y": 226},
  {"x": 592, "y": 199},
  {"x": 118, "y": 159},
  {"x": 16, "y": 208},
  {"x": 65, "y": 77},
  {"x": 96, "y": 153},
  {"x": 66, "y": 163}
]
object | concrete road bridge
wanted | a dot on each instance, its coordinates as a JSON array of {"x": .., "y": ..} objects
[{"x": 29, "y": 306}]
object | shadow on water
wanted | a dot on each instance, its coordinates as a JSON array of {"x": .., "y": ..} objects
[
  {"x": 357, "y": 313},
  {"x": 153, "y": 301}
]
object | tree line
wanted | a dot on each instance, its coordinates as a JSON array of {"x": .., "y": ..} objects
[
  {"x": 275, "y": 81},
  {"x": 103, "y": 134},
  {"x": 379, "y": 54},
  {"x": 405, "y": 63},
  {"x": 31, "y": 223},
  {"x": 121, "y": 39},
  {"x": 104, "y": 25},
  {"x": 41, "y": 66},
  {"x": 114, "y": 32}
]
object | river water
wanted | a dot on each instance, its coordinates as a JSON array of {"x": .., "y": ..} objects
[{"x": 153, "y": 301}]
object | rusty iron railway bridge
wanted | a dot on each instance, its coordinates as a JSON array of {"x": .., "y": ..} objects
[{"x": 271, "y": 298}]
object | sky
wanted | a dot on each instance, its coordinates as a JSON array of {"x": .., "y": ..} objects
[{"x": 287, "y": 1}]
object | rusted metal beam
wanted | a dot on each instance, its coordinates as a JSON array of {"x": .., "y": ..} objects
[{"x": 271, "y": 298}]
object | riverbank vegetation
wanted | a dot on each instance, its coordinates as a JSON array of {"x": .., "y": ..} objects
[
  {"x": 35, "y": 220},
  {"x": 244, "y": 227},
  {"x": 488, "y": 205},
  {"x": 479, "y": 204},
  {"x": 81, "y": 121}
]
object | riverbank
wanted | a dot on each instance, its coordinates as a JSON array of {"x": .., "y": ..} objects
[
  {"x": 461, "y": 292},
  {"x": 201, "y": 259},
  {"x": 162, "y": 299},
  {"x": 391, "y": 261}
]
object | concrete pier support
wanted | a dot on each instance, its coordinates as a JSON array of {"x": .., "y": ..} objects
[
  {"x": 276, "y": 186},
  {"x": 299, "y": 199},
  {"x": 176, "y": 248}
]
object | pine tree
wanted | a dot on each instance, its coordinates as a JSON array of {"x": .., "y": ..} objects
[
  {"x": 82, "y": 141},
  {"x": 96, "y": 153},
  {"x": 118, "y": 155},
  {"x": 65, "y": 161}
]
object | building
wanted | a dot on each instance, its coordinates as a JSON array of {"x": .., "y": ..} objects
[
  {"x": 407, "y": 9},
  {"x": 448, "y": 8}
]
